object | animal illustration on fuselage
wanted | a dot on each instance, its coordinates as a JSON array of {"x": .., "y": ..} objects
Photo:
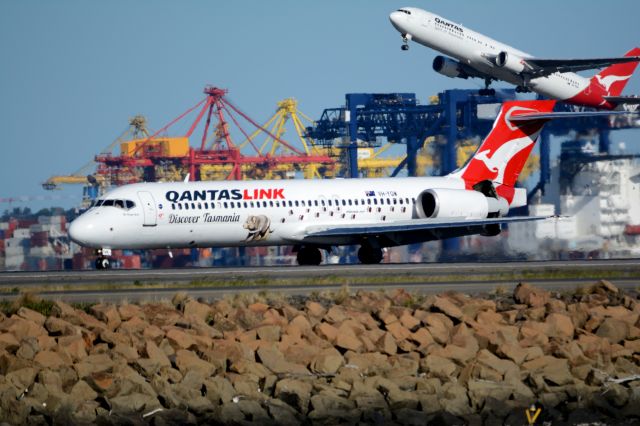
[{"x": 259, "y": 227}]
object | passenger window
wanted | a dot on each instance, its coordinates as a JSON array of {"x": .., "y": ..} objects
[
  {"x": 206, "y": 205},
  {"x": 186, "y": 206},
  {"x": 344, "y": 203},
  {"x": 199, "y": 206},
  {"x": 264, "y": 204},
  {"x": 350, "y": 202},
  {"x": 251, "y": 204},
  {"x": 226, "y": 206},
  {"x": 193, "y": 206},
  {"x": 369, "y": 201},
  {"x": 245, "y": 204},
  {"x": 270, "y": 203},
  {"x": 375, "y": 201},
  {"x": 297, "y": 204},
  {"x": 173, "y": 206}
]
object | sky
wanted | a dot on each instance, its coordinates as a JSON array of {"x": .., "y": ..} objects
[{"x": 72, "y": 72}]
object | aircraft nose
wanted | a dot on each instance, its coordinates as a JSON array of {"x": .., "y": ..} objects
[
  {"x": 396, "y": 19},
  {"x": 82, "y": 231}
]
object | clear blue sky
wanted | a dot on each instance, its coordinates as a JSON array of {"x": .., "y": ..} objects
[{"x": 73, "y": 72}]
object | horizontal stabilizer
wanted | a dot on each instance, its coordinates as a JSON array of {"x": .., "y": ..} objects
[
  {"x": 568, "y": 114},
  {"x": 542, "y": 67},
  {"x": 629, "y": 100}
]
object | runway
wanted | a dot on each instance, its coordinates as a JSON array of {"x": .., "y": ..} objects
[{"x": 211, "y": 283}]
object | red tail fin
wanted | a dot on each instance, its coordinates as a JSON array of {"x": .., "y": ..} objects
[
  {"x": 614, "y": 78},
  {"x": 503, "y": 153}
]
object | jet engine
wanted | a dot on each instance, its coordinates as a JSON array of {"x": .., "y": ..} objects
[
  {"x": 510, "y": 62},
  {"x": 449, "y": 67},
  {"x": 440, "y": 202}
]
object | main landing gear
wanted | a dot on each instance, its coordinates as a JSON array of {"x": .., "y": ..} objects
[
  {"x": 369, "y": 255},
  {"x": 522, "y": 89},
  {"x": 487, "y": 91},
  {"x": 309, "y": 256},
  {"x": 102, "y": 259}
]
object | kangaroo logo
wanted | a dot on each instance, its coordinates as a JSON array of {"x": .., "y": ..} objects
[
  {"x": 498, "y": 161},
  {"x": 607, "y": 81}
]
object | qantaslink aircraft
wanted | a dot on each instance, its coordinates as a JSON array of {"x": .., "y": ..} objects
[{"x": 312, "y": 215}]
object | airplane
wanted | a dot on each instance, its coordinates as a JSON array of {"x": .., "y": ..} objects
[
  {"x": 478, "y": 56},
  {"x": 320, "y": 214}
]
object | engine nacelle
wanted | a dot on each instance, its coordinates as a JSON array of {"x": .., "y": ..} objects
[
  {"x": 510, "y": 62},
  {"x": 439, "y": 203},
  {"x": 449, "y": 67}
]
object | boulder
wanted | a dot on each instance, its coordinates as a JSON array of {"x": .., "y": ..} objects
[
  {"x": 437, "y": 366},
  {"x": 387, "y": 344},
  {"x": 93, "y": 364},
  {"x": 447, "y": 307},
  {"x": 615, "y": 330},
  {"x": 188, "y": 361},
  {"x": 31, "y": 315},
  {"x": 134, "y": 403},
  {"x": 296, "y": 393},
  {"x": 49, "y": 359},
  {"x": 107, "y": 314},
  {"x": 560, "y": 326},
  {"x": 439, "y": 326},
  {"x": 73, "y": 346},
  {"x": 327, "y": 331},
  {"x": 128, "y": 311},
  {"x": 21, "y": 327},
  {"x": 9, "y": 342},
  {"x": 347, "y": 339},
  {"x": 274, "y": 360},
  {"x": 531, "y": 296},
  {"x": 398, "y": 331},
  {"x": 269, "y": 333},
  {"x": 314, "y": 309},
  {"x": 327, "y": 362},
  {"x": 194, "y": 310},
  {"x": 554, "y": 370},
  {"x": 180, "y": 339}
]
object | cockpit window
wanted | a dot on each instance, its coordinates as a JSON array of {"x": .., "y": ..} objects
[
  {"x": 408, "y": 12},
  {"x": 121, "y": 204}
]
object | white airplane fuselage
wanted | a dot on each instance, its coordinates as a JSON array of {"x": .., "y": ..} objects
[{"x": 246, "y": 213}]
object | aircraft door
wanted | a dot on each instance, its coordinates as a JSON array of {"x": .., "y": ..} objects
[{"x": 148, "y": 208}]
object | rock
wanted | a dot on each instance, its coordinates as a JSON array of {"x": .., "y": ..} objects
[
  {"x": 134, "y": 403},
  {"x": 180, "y": 340},
  {"x": 447, "y": 307},
  {"x": 327, "y": 331},
  {"x": 481, "y": 390},
  {"x": 21, "y": 379},
  {"x": 398, "y": 331},
  {"x": 269, "y": 333},
  {"x": 605, "y": 287},
  {"x": 93, "y": 364},
  {"x": 409, "y": 321},
  {"x": 274, "y": 360},
  {"x": 219, "y": 390},
  {"x": 314, "y": 309},
  {"x": 455, "y": 400},
  {"x": 503, "y": 366},
  {"x": 9, "y": 342},
  {"x": 233, "y": 351},
  {"x": 101, "y": 382},
  {"x": 439, "y": 326},
  {"x": 438, "y": 366},
  {"x": 300, "y": 353},
  {"x": 327, "y": 362},
  {"x": 559, "y": 326},
  {"x": 282, "y": 413},
  {"x": 614, "y": 330},
  {"x": 49, "y": 359},
  {"x": 187, "y": 361},
  {"x": 31, "y": 315},
  {"x": 81, "y": 392},
  {"x": 127, "y": 311},
  {"x": 108, "y": 314},
  {"x": 550, "y": 368},
  {"x": 73, "y": 346},
  {"x": 336, "y": 314},
  {"x": 296, "y": 393},
  {"x": 21, "y": 327},
  {"x": 347, "y": 338},
  {"x": 531, "y": 296},
  {"x": 253, "y": 368},
  {"x": 60, "y": 326},
  {"x": 196, "y": 310},
  {"x": 334, "y": 409},
  {"x": 387, "y": 344},
  {"x": 367, "y": 363},
  {"x": 533, "y": 333}
]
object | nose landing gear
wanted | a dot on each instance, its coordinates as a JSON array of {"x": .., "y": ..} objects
[
  {"x": 405, "y": 42},
  {"x": 102, "y": 261}
]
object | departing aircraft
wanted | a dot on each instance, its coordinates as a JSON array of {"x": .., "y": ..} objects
[
  {"x": 319, "y": 214},
  {"x": 479, "y": 56}
]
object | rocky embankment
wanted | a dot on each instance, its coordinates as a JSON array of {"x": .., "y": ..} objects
[{"x": 372, "y": 358}]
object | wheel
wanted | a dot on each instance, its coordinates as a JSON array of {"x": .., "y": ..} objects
[
  {"x": 405, "y": 47},
  {"x": 309, "y": 256},
  {"x": 369, "y": 255},
  {"x": 102, "y": 263}
]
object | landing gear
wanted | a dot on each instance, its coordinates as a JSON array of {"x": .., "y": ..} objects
[
  {"x": 102, "y": 261},
  {"x": 369, "y": 255},
  {"x": 309, "y": 256},
  {"x": 405, "y": 43},
  {"x": 522, "y": 89},
  {"x": 487, "y": 91}
]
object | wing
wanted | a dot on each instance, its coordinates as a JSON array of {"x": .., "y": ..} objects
[
  {"x": 396, "y": 233},
  {"x": 543, "y": 67}
]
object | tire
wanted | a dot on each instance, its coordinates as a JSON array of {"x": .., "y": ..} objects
[
  {"x": 309, "y": 256},
  {"x": 369, "y": 255}
]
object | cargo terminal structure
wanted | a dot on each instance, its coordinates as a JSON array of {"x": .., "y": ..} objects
[{"x": 436, "y": 137}]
